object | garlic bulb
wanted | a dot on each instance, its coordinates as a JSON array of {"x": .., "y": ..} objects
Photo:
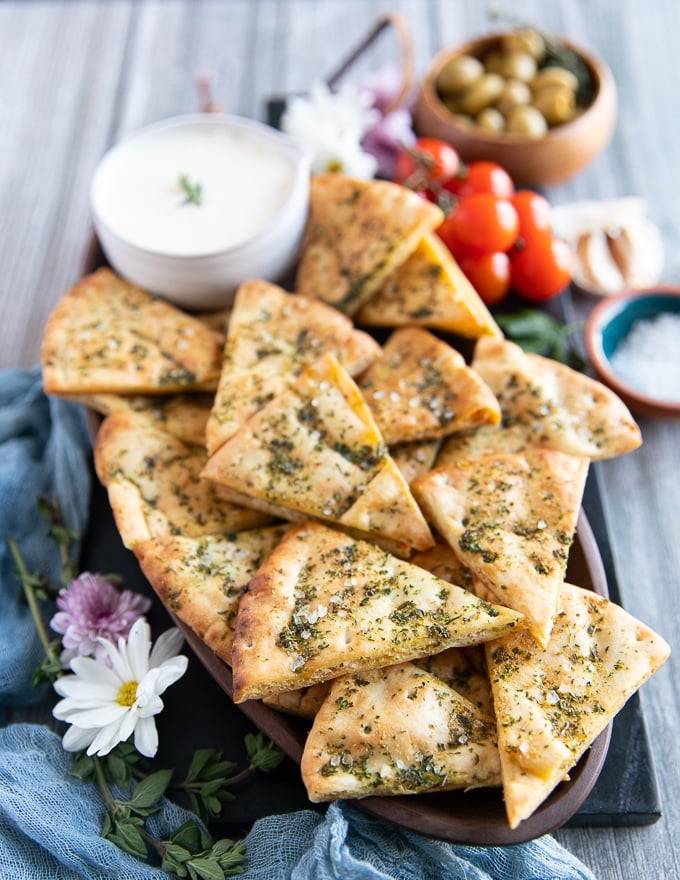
[{"x": 616, "y": 247}]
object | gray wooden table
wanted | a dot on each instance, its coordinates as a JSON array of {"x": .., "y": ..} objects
[{"x": 77, "y": 75}]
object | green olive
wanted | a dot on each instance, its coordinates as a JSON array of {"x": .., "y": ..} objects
[
  {"x": 458, "y": 74},
  {"x": 493, "y": 61},
  {"x": 526, "y": 120},
  {"x": 554, "y": 76},
  {"x": 491, "y": 120},
  {"x": 518, "y": 65},
  {"x": 481, "y": 94},
  {"x": 515, "y": 92},
  {"x": 557, "y": 103},
  {"x": 525, "y": 40}
]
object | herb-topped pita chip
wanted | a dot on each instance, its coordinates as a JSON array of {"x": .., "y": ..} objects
[
  {"x": 415, "y": 459},
  {"x": 273, "y": 336},
  {"x": 469, "y": 679},
  {"x": 154, "y": 485},
  {"x": 106, "y": 335},
  {"x": 370, "y": 737},
  {"x": 421, "y": 389},
  {"x": 315, "y": 449},
  {"x": 358, "y": 232},
  {"x": 552, "y": 703},
  {"x": 201, "y": 580},
  {"x": 323, "y": 604},
  {"x": 554, "y": 406},
  {"x": 182, "y": 415},
  {"x": 429, "y": 290},
  {"x": 511, "y": 520}
]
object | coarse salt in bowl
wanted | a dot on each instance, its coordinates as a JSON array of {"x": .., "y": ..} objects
[
  {"x": 633, "y": 342},
  {"x": 192, "y": 206}
]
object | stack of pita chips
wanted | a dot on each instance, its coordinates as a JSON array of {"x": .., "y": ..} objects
[{"x": 374, "y": 537}]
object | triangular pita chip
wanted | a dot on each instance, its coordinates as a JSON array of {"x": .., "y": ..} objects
[
  {"x": 469, "y": 679},
  {"x": 324, "y": 603},
  {"x": 485, "y": 440},
  {"x": 396, "y": 731},
  {"x": 421, "y": 389},
  {"x": 303, "y": 703},
  {"x": 182, "y": 415},
  {"x": 511, "y": 520},
  {"x": 315, "y": 449},
  {"x": 273, "y": 336},
  {"x": 555, "y": 406},
  {"x": 415, "y": 459},
  {"x": 551, "y": 704},
  {"x": 106, "y": 335},
  {"x": 429, "y": 290},
  {"x": 201, "y": 580},
  {"x": 154, "y": 486},
  {"x": 357, "y": 233}
]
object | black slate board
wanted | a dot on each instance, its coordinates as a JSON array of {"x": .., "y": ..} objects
[{"x": 198, "y": 715}]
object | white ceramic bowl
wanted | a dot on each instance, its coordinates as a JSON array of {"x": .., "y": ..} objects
[{"x": 247, "y": 222}]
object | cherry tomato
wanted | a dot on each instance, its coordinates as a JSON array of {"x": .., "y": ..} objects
[
  {"x": 427, "y": 165},
  {"x": 485, "y": 222},
  {"x": 489, "y": 275},
  {"x": 458, "y": 248},
  {"x": 482, "y": 176},
  {"x": 541, "y": 269},
  {"x": 535, "y": 215}
]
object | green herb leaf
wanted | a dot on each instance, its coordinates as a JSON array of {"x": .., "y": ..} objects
[
  {"x": 201, "y": 758},
  {"x": 193, "y": 192},
  {"x": 538, "y": 332},
  {"x": 128, "y": 837},
  {"x": 207, "y": 868},
  {"x": 263, "y": 754},
  {"x": 150, "y": 790},
  {"x": 83, "y": 766}
]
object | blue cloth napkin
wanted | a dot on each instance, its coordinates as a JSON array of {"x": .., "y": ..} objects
[
  {"x": 50, "y": 821},
  {"x": 44, "y": 450}
]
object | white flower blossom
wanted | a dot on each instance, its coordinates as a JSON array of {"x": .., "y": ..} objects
[
  {"x": 330, "y": 126},
  {"x": 106, "y": 704}
]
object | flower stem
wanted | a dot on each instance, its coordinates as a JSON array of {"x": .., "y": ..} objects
[
  {"x": 103, "y": 787},
  {"x": 29, "y": 592}
]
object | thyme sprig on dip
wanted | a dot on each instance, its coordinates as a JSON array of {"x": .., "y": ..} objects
[{"x": 193, "y": 192}]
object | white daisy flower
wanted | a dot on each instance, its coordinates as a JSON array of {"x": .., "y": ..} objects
[
  {"x": 330, "y": 126},
  {"x": 106, "y": 704}
]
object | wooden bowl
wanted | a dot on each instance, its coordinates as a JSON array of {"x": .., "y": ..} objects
[
  {"x": 609, "y": 323},
  {"x": 551, "y": 159}
]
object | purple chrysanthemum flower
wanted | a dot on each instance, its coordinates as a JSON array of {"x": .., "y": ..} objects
[
  {"x": 91, "y": 608},
  {"x": 394, "y": 130}
]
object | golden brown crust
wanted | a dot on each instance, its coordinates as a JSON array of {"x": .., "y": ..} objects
[
  {"x": 273, "y": 336},
  {"x": 553, "y": 406},
  {"x": 323, "y": 604},
  {"x": 303, "y": 703},
  {"x": 154, "y": 486},
  {"x": 421, "y": 389},
  {"x": 511, "y": 520},
  {"x": 182, "y": 415},
  {"x": 106, "y": 335},
  {"x": 201, "y": 580},
  {"x": 370, "y": 738},
  {"x": 358, "y": 232},
  {"x": 316, "y": 450},
  {"x": 552, "y": 703},
  {"x": 429, "y": 290}
]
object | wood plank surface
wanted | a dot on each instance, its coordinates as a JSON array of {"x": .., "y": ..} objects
[{"x": 78, "y": 75}]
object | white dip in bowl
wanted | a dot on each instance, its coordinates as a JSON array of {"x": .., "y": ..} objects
[{"x": 192, "y": 206}]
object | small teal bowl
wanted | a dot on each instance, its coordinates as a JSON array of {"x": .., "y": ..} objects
[{"x": 609, "y": 323}]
